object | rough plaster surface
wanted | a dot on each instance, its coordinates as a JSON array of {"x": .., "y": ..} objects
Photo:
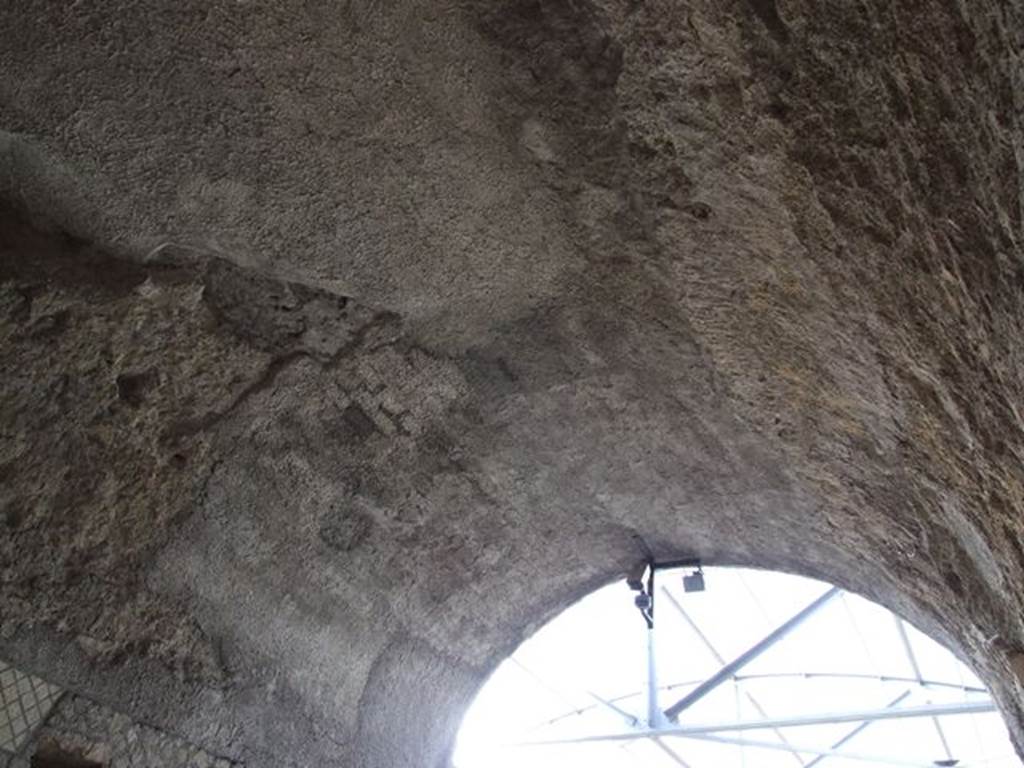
[{"x": 343, "y": 344}]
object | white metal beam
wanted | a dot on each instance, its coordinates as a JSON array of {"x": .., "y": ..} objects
[
  {"x": 856, "y": 730},
  {"x": 821, "y": 753},
  {"x": 916, "y": 668},
  {"x": 721, "y": 660},
  {"x": 855, "y": 716},
  {"x": 729, "y": 670},
  {"x": 671, "y": 753}
]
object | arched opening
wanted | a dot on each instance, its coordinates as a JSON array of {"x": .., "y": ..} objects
[{"x": 692, "y": 667}]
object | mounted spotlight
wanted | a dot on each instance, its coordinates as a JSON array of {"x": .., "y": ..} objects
[
  {"x": 695, "y": 581},
  {"x": 644, "y": 599}
]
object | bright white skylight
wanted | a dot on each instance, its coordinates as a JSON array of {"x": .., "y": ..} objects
[{"x": 585, "y": 675}]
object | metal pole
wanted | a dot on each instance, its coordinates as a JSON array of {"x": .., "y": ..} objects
[
  {"x": 845, "y": 739},
  {"x": 634, "y": 720},
  {"x": 901, "y": 628},
  {"x": 721, "y": 660},
  {"x": 924, "y": 710},
  {"x": 821, "y": 753},
  {"x": 561, "y": 693},
  {"x": 855, "y": 676},
  {"x": 672, "y": 754},
  {"x": 854, "y": 716},
  {"x": 730, "y": 669},
  {"x": 654, "y": 717}
]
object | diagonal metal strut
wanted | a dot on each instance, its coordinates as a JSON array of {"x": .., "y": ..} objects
[
  {"x": 916, "y": 668},
  {"x": 874, "y": 759},
  {"x": 721, "y": 660},
  {"x": 730, "y": 669},
  {"x": 856, "y": 731}
]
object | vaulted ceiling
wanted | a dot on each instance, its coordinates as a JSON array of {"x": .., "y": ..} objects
[{"x": 344, "y": 343}]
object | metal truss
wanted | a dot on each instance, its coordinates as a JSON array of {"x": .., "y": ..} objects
[
  {"x": 614, "y": 701},
  {"x": 828, "y": 718},
  {"x": 663, "y": 726}
]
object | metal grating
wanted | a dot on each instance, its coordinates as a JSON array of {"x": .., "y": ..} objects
[
  {"x": 33, "y": 712},
  {"x": 118, "y": 741},
  {"x": 24, "y": 701}
]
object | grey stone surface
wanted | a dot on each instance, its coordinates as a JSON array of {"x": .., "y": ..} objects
[{"x": 343, "y": 344}]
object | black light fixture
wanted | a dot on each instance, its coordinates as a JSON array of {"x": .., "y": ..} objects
[
  {"x": 694, "y": 582},
  {"x": 640, "y": 579},
  {"x": 644, "y": 599},
  {"x": 635, "y": 577}
]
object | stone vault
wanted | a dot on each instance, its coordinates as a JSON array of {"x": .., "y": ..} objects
[{"x": 344, "y": 342}]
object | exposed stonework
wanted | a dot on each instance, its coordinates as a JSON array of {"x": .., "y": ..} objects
[
  {"x": 95, "y": 735},
  {"x": 342, "y": 345}
]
